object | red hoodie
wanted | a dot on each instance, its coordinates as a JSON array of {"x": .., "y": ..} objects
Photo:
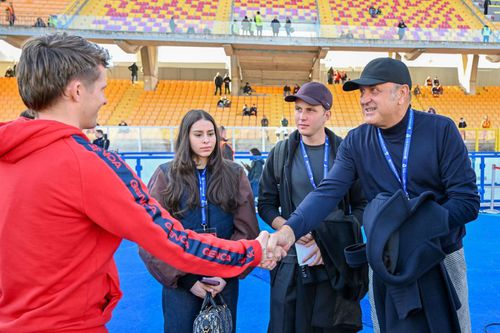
[{"x": 65, "y": 206}]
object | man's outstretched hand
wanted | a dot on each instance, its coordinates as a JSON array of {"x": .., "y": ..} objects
[
  {"x": 280, "y": 242},
  {"x": 269, "y": 261}
]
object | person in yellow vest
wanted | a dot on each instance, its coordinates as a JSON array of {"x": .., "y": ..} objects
[{"x": 259, "y": 23}]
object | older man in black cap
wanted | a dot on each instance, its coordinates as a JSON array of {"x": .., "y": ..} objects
[
  {"x": 317, "y": 292},
  {"x": 399, "y": 148}
]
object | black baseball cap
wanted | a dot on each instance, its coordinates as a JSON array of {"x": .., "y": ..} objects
[
  {"x": 381, "y": 70},
  {"x": 313, "y": 93}
]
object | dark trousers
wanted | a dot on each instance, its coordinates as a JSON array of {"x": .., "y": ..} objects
[
  {"x": 180, "y": 307},
  {"x": 219, "y": 88},
  {"x": 226, "y": 89},
  {"x": 297, "y": 307}
]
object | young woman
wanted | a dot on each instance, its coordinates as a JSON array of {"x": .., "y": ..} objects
[{"x": 208, "y": 194}]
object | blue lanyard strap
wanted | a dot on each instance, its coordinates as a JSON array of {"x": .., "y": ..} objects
[
  {"x": 202, "y": 183},
  {"x": 406, "y": 151},
  {"x": 308, "y": 164}
]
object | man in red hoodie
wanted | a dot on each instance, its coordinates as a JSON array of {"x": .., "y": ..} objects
[{"x": 66, "y": 204}]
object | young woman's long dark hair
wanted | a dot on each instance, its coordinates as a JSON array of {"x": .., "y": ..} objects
[{"x": 182, "y": 181}]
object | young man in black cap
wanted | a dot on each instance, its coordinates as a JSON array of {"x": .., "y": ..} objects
[
  {"x": 303, "y": 296},
  {"x": 401, "y": 149}
]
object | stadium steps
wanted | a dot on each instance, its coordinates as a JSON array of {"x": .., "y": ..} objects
[
  {"x": 223, "y": 15},
  {"x": 28, "y": 10},
  {"x": 128, "y": 105}
]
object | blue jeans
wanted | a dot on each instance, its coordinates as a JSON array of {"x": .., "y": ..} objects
[{"x": 180, "y": 307}]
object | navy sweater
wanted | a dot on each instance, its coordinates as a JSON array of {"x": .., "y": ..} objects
[{"x": 438, "y": 162}]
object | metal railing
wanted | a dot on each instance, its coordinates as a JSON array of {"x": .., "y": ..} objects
[
  {"x": 242, "y": 139},
  {"x": 146, "y": 163},
  {"x": 343, "y": 33}
]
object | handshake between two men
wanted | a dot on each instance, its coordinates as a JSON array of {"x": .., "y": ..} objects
[{"x": 275, "y": 246}]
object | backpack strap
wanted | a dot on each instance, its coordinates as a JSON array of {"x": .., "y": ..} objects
[{"x": 279, "y": 160}]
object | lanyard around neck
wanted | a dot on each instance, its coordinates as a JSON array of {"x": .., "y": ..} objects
[
  {"x": 308, "y": 163},
  {"x": 202, "y": 183},
  {"x": 406, "y": 151}
]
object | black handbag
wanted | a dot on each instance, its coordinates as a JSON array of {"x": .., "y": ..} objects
[{"x": 213, "y": 318}]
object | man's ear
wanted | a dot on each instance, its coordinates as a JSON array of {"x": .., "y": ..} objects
[
  {"x": 405, "y": 91},
  {"x": 73, "y": 90},
  {"x": 328, "y": 114}
]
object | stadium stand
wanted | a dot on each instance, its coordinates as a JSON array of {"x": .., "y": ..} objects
[
  {"x": 167, "y": 105},
  {"x": 154, "y": 16},
  {"x": 28, "y": 10},
  {"x": 299, "y": 11},
  {"x": 428, "y": 19}
]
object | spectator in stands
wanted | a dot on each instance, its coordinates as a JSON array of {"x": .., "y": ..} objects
[
  {"x": 253, "y": 110},
  {"x": 264, "y": 122},
  {"x": 329, "y": 75},
  {"x": 251, "y": 26},
  {"x": 435, "y": 81},
  {"x": 254, "y": 170},
  {"x": 227, "y": 210},
  {"x": 247, "y": 89},
  {"x": 133, "y": 72},
  {"x": 246, "y": 110},
  {"x": 190, "y": 30},
  {"x": 431, "y": 110},
  {"x": 57, "y": 249},
  {"x": 283, "y": 130},
  {"x": 259, "y": 24},
  {"x": 101, "y": 139},
  {"x": 206, "y": 31},
  {"x": 226, "y": 149},
  {"x": 11, "y": 15},
  {"x": 235, "y": 28},
  {"x": 227, "y": 82},
  {"x": 288, "y": 27},
  {"x": 39, "y": 23},
  {"x": 296, "y": 88},
  {"x": 343, "y": 77},
  {"x": 486, "y": 123},
  {"x": 218, "y": 80},
  {"x": 50, "y": 22},
  {"x": 28, "y": 113},
  {"x": 284, "y": 122},
  {"x": 486, "y": 32},
  {"x": 245, "y": 26},
  {"x": 172, "y": 24},
  {"x": 337, "y": 77},
  {"x": 462, "y": 125},
  {"x": 428, "y": 82},
  {"x": 486, "y": 4},
  {"x": 437, "y": 90},
  {"x": 275, "y": 26},
  {"x": 417, "y": 91},
  {"x": 287, "y": 90},
  {"x": 346, "y": 34},
  {"x": 372, "y": 11},
  {"x": 122, "y": 123},
  {"x": 401, "y": 29},
  {"x": 10, "y": 72},
  {"x": 224, "y": 102}
]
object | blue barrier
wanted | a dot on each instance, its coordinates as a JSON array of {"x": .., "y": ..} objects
[{"x": 481, "y": 162}]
